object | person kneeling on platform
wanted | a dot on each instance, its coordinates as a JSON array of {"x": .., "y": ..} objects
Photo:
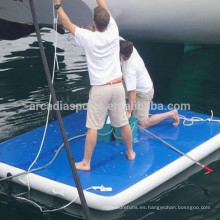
[{"x": 140, "y": 87}]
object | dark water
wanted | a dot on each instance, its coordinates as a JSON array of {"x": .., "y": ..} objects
[{"x": 181, "y": 74}]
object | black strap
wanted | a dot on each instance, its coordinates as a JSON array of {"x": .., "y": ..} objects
[
  {"x": 57, "y": 6},
  {"x": 58, "y": 115}
]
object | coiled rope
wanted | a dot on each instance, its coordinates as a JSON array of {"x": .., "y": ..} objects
[{"x": 190, "y": 121}]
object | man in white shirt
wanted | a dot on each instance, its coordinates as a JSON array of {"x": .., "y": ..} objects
[
  {"x": 101, "y": 49},
  {"x": 140, "y": 87}
]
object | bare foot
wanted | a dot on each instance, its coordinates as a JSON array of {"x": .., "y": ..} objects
[
  {"x": 175, "y": 117},
  {"x": 131, "y": 156},
  {"x": 82, "y": 166}
]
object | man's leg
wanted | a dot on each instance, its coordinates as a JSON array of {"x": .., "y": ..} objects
[
  {"x": 91, "y": 139},
  {"x": 126, "y": 134},
  {"x": 119, "y": 118},
  {"x": 155, "y": 119},
  {"x": 96, "y": 113}
]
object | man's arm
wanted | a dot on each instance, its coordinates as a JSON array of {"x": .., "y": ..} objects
[
  {"x": 132, "y": 100},
  {"x": 103, "y": 4},
  {"x": 64, "y": 19}
]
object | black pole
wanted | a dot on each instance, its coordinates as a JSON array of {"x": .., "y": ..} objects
[{"x": 58, "y": 115}]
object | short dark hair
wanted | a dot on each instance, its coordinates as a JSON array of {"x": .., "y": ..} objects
[
  {"x": 126, "y": 48},
  {"x": 101, "y": 18}
]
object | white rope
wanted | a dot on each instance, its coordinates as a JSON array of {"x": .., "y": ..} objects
[
  {"x": 133, "y": 125},
  {"x": 101, "y": 188},
  {"x": 57, "y": 151},
  {"x": 190, "y": 121},
  {"x": 49, "y": 210},
  {"x": 105, "y": 134},
  {"x": 55, "y": 63},
  {"x": 49, "y": 103}
]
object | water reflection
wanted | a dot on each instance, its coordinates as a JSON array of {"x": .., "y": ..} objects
[{"x": 23, "y": 81}]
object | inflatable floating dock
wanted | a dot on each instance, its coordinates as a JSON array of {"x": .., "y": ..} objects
[{"x": 113, "y": 181}]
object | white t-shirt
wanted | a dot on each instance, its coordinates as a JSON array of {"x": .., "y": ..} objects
[
  {"x": 135, "y": 74},
  {"x": 102, "y": 53}
]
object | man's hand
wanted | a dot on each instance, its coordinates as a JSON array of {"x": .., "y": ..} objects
[
  {"x": 128, "y": 114},
  {"x": 64, "y": 19},
  {"x": 103, "y": 4},
  {"x": 131, "y": 100},
  {"x": 57, "y": 2}
]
